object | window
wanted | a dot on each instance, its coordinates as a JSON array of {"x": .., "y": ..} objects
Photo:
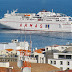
[
  {"x": 11, "y": 52},
  {"x": 61, "y": 63},
  {"x": 8, "y": 60},
  {"x": 46, "y": 49},
  {"x": 54, "y": 62},
  {"x": 68, "y": 56},
  {"x": 67, "y": 68},
  {"x": 68, "y": 63},
  {"x": 42, "y": 60},
  {"x": 61, "y": 56},
  {"x": 50, "y": 62}
]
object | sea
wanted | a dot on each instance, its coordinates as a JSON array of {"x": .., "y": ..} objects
[{"x": 39, "y": 39}]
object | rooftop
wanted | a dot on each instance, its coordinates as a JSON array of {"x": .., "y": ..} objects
[
  {"x": 40, "y": 50},
  {"x": 40, "y": 67},
  {"x": 9, "y": 49}
]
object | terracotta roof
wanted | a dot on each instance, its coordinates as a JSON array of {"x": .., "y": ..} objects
[
  {"x": 9, "y": 49},
  {"x": 4, "y": 69},
  {"x": 35, "y": 67},
  {"x": 39, "y": 67},
  {"x": 40, "y": 50},
  {"x": 19, "y": 50},
  {"x": 26, "y": 52},
  {"x": 55, "y": 45},
  {"x": 15, "y": 67}
]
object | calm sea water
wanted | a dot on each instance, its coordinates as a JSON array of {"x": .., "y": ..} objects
[{"x": 39, "y": 40}]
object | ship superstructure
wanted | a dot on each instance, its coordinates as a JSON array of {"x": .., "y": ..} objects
[{"x": 42, "y": 21}]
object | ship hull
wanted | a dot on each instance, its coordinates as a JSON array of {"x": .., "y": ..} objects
[{"x": 37, "y": 26}]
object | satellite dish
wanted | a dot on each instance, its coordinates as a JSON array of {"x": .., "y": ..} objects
[
  {"x": 20, "y": 63},
  {"x": 26, "y": 69}
]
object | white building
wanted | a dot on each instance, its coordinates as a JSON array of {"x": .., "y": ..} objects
[
  {"x": 62, "y": 60},
  {"x": 38, "y": 54},
  {"x": 4, "y": 64},
  {"x": 14, "y": 44},
  {"x": 24, "y": 55},
  {"x": 58, "y": 47}
]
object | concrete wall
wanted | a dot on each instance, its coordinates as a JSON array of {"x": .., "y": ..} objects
[
  {"x": 64, "y": 65},
  {"x": 4, "y": 64}
]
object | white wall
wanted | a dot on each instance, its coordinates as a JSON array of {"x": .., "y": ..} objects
[
  {"x": 4, "y": 64},
  {"x": 60, "y": 48},
  {"x": 64, "y": 66},
  {"x": 41, "y": 58}
]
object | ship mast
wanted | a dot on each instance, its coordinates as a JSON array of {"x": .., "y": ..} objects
[{"x": 52, "y": 10}]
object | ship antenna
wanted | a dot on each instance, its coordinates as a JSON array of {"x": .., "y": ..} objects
[
  {"x": 7, "y": 11},
  {"x": 52, "y": 10}
]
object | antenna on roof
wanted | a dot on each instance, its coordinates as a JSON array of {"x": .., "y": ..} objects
[
  {"x": 30, "y": 42},
  {"x": 4, "y": 46}
]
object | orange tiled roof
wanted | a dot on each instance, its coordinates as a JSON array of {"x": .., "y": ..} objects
[
  {"x": 4, "y": 69},
  {"x": 35, "y": 67},
  {"x": 20, "y": 50},
  {"x": 9, "y": 49},
  {"x": 24, "y": 50},
  {"x": 40, "y": 50}
]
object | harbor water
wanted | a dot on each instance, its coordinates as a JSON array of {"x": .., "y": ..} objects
[{"x": 39, "y": 39}]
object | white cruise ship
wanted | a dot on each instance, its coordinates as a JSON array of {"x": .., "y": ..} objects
[{"x": 42, "y": 21}]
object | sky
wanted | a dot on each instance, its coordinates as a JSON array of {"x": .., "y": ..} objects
[{"x": 62, "y": 6}]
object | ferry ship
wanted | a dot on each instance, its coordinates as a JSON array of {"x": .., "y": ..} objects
[{"x": 42, "y": 21}]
